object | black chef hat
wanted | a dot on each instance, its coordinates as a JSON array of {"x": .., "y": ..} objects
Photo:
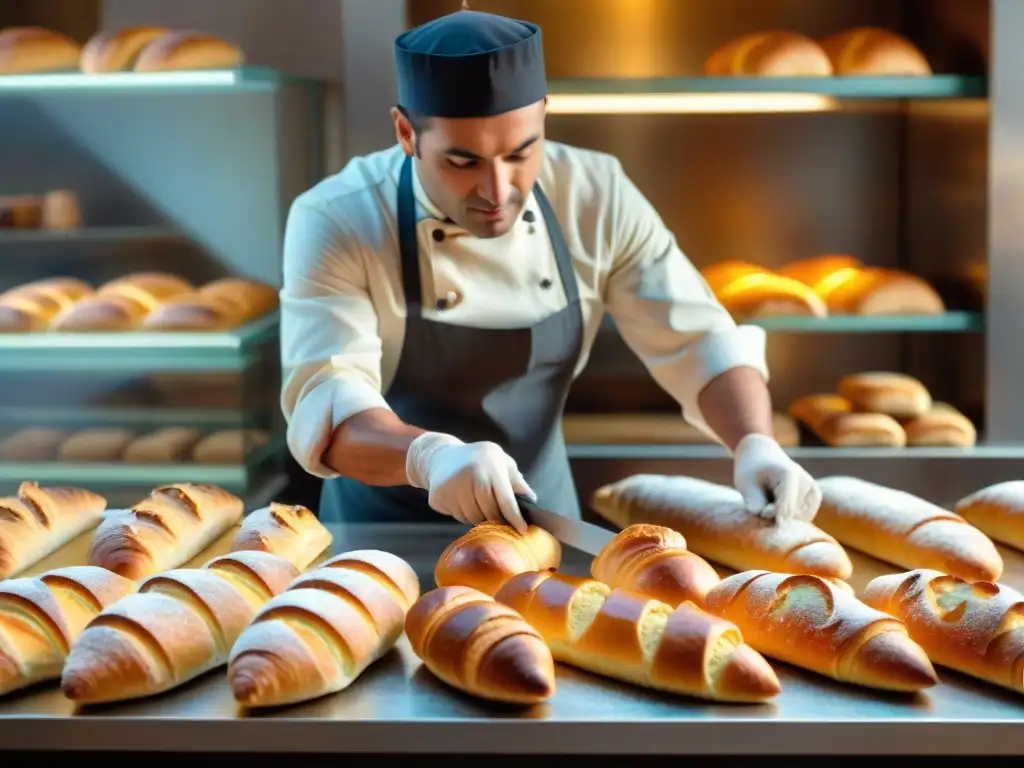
[{"x": 470, "y": 64}]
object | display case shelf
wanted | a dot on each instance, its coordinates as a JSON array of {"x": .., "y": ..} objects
[
  {"x": 239, "y": 80},
  {"x": 949, "y": 322},
  {"x": 22, "y": 237},
  {"x": 138, "y": 416},
  {"x": 800, "y": 453}
]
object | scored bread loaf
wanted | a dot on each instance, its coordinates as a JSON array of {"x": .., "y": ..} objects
[
  {"x": 179, "y": 625},
  {"x": 168, "y": 445},
  {"x": 635, "y": 639},
  {"x": 490, "y": 554},
  {"x": 122, "y": 304},
  {"x": 834, "y": 421},
  {"x": 33, "y": 306},
  {"x": 940, "y": 425},
  {"x": 749, "y": 292},
  {"x": 99, "y": 444},
  {"x": 289, "y": 531},
  {"x": 28, "y": 50},
  {"x": 221, "y": 304},
  {"x": 905, "y": 530},
  {"x": 39, "y": 521},
  {"x": 480, "y": 646},
  {"x": 654, "y": 561},
  {"x": 769, "y": 54},
  {"x": 894, "y": 394},
  {"x": 165, "y": 530},
  {"x": 178, "y": 50},
  {"x": 116, "y": 50},
  {"x": 317, "y": 637},
  {"x": 972, "y": 628},
  {"x": 717, "y": 525},
  {"x": 808, "y": 622},
  {"x": 42, "y": 617},
  {"x": 874, "y": 51},
  {"x": 997, "y": 510}
]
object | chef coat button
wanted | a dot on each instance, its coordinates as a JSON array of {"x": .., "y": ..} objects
[
  {"x": 438, "y": 235},
  {"x": 545, "y": 283},
  {"x": 528, "y": 217},
  {"x": 442, "y": 305},
  {"x": 450, "y": 299}
]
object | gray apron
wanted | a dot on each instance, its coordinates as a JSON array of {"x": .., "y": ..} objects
[{"x": 506, "y": 386}]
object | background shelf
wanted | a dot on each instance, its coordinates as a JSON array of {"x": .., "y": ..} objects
[
  {"x": 950, "y": 322},
  {"x": 238, "y": 80},
  {"x": 88, "y": 235},
  {"x": 99, "y": 415}
]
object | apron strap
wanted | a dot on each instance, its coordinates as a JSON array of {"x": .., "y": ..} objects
[
  {"x": 407, "y": 242},
  {"x": 563, "y": 258}
]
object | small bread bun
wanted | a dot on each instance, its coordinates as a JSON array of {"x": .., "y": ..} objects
[
  {"x": 100, "y": 313},
  {"x": 874, "y": 51},
  {"x": 195, "y": 313},
  {"x": 117, "y": 50},
  {"x": 188, "y": 50},
  {"x": 252, "y": 298},
  {"x": 769, "y": 54},
  {"x": 25, "y": 50}
]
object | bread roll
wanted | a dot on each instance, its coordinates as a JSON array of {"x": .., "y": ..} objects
[
  {"x": 749, "y": 292},
  {"x": 31, "y": 307},
  {"x": 165, "y": 530},
  {"x": 905, "y": 530},
  {"x": 629, "y": 637},
  {"x": 288, "y": 531},
  {"x": 653, "y": 561},
  {"x": 716, "y": 524},
  {"x": 942, "y": 425},
  {"x": 769, "y": 54},
  {"x": 834, "y": 421},
  {"x": 151, "y": 289},
  {"x": 807, "y": 622},
  {"x": 168, "y": 445},
  {"x": 490, "y": 554},
  {"x": 654, "y": 428},
  {"x": 251, "y": 297},
  {"x": 116, "y": 50},
  {"x": 42, "y": 617},
  {"x": 188, "y": 50},
  {"x": 997, "y": 510},
  {"x": 894, "y": 394},
  {"x": 30, "y": 50},
  {"x": 972, "y": 628},
  {"x": 180, "y": 624},
  {"x": 122, "y": 304},
  {"x": 62, "y": 292},
  {"x": 480, "y": 646},
  {"x": 101, "y": 444},
  {"x": 195, "y": 313},
  {"x": 39, "y": 521},
  {"x": 61, "y": 210},
  {"x": 20, "y": 211},
  {"x": 33, "y": 444},
  {"x": 874, "y": 51},
  {"x": 229, "y": 446}
]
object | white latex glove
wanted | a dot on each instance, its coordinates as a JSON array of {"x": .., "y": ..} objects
[
  {"x": 772, "y": 484},
  {"x": 472, "y": 482}
]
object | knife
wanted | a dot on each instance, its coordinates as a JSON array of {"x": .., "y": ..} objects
[{"x": 575, "y": 533}]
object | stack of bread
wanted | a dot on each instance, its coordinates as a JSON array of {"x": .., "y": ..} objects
[
  {"x": 56, "y": 209},
  {"x": 882, "y": 409}
]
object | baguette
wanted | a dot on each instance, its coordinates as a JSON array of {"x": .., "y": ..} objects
[
  {"x": 629, "y": 637},
  {"x": 317, "y": 637},
  {"x": 834, "y": 421},
  {"x": 288, "y": 531},
  {"x": 42, "y": 617},
  {"x": 716, "y": 524},
  {"x": 490, "y": 554},
  {"x": 972, "y": 628},
  {"x": 807, "y": 622},
  {"x": 116, "y": 50},
  {"x": 39, "y": 521},
  {"x": 874, "y": 51},
  {"x": 997, "y": 510},
  {"x": 480, "y": 646},
  {"x": 768, "y": 54},
  {"x": 749, "y": 292},
  {"x": 894, "y": 394},
  {"x": 905, "y": 530},
  {"x": 940, "y": 425},
  {"x": 165, "y": 530},
  {"x": 654, "y": 561},
  {"x": 180, "y": 624}
]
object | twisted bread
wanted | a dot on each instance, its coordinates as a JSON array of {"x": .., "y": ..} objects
[
  {"x": 905, "y": 530},
  {"x": 480, "y": 646},
  {"x": 834, "y": 421},
  {"x": 628, "y": 637},
  {"x": 165, "y": 530},
  {"x": 654, "y": 561},
  {"x": 767, "y": 54},
  {"x": 716, "y": 524},
  {"x": 180, "y": 624},
  {"x": 998, "y": 510},
  {"x": 490, "y": 554},
  {"x": 750, "y": 292},
  {"x": 318, "y": 636},
  {"x": 894, "y": 394},
  {"x": 291, "y": 532},
  {"x": 972, "y": 628},
  {"x": 41, "y": 617},
  {"x": 42, "y": 520},
  {"x": 806, "y": 621}
]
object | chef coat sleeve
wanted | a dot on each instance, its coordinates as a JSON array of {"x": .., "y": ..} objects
[
  {"x": 330, "y": 347},
  {"x": 664, "y": 309}
]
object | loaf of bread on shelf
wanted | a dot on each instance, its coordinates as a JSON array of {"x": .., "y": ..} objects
[
  {"x": 289, "y": 531},
  {"x": 874, "y": 51},
  {"x": 21, "y": 211},
  {"x": 942, "y": 425},
  {"x": 480, "y": 646},
  {"x": 33, "y": 444},
  {"x": 654, "y": 429},
  {"x": 835, "y": 421},
  {"x": 39, "y": 521},
  {"x": 749, "y": 292},
  {"x": 490, "y": 554},
  {"x": 629, "y": 637},
  {"x": 997, "y": 510},
  {"x": 654, "y": 561},
  {"x": 905, "y": 530},
  {"x": 168, "y": 445},
  {"x": 32, "y": 306},
  {"x": 808, "y": 622},
  {"x": 105, "y": 444},
  {"x": 222, "y": 304},
  {"x": 177, "y": 50},
  {"x": 717, "y": 525},
  {"x": 229, "y": 446},
  {"x": 769, "y": 54},
  {"x": 61, "y": 210},
  {"x": 179, "y": 625},
  {"x": 116, "y": 50},
  {"x": 165, "y": 530},
  {"x": 31, "y": 50},
  {"x": 317, "y": 637},
  {"x": 42, "y": 617},
  {"x": 251, "y": 297},
  {"x": 122, "y": 304},
  {"x": 894, "y": 394},
  {"x": 972, "y": 628}
]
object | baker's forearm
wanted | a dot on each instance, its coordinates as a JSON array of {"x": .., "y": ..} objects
[
  {"x": 735, "y": 404},
  {"x": 371, "y": 447}
]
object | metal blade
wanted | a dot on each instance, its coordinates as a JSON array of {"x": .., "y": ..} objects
[{"x": 575, "y": 533}]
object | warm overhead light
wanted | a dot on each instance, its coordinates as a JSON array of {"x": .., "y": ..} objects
[
  {"x": 700, "y": 103},
  {"x": 115, "y": 80}
]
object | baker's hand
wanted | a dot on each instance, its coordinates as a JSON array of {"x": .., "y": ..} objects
[
  {"x": 472, "y": 482},
  {"x": 772, "y": 484}
]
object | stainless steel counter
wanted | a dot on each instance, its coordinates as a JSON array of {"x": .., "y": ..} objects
[{"x": 397, "y": 706}]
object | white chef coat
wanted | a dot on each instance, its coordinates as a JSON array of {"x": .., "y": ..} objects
[{"x": 343, "y": 310}]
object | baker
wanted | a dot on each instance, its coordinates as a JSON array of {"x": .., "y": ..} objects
[{"x": 440, "y": 297}]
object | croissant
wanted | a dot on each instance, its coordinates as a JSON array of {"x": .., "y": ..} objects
[
  {"x": 491, "y": 553},
  {"x": 292, "y": 532}
]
